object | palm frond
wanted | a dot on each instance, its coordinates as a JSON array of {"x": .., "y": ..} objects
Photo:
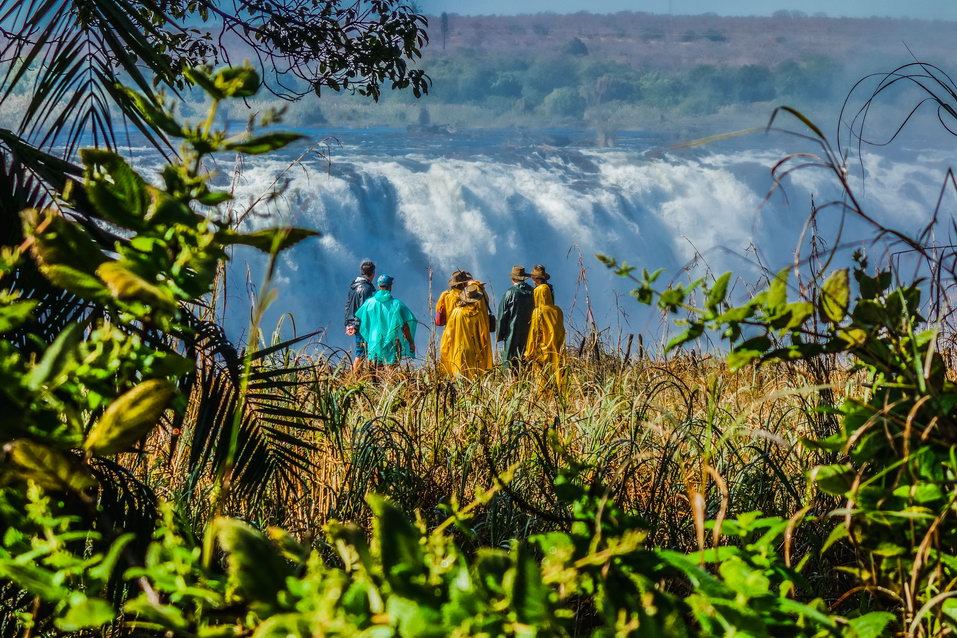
[
  {"x": 73, "y": 53},
  {"x": 271, "y": 450}
]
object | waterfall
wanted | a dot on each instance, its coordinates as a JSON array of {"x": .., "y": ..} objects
[{"x": 485, "y": 204}]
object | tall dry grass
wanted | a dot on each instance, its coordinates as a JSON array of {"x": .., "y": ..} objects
[{"x": 677, "y": 442}]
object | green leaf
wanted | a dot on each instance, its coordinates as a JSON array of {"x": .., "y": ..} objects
[
  {"x": 241, "y": 81},
  {"x": 55, "y": 358},
  {"x": 744, "y": 579},
  {"x": 263, "y": 143},
  {"x": 61, "y": 241},
  {"x": 747, "y": 351},
  {"x": 154, "y": 114},
  {"x": 166, "y": 616},
  {"x": 718, "y": 292},
  {"x": 949, "y": 607},
  {"x": 872, "y": 625},
  {"x": 798, "y": 313},
  {"x": 733, "y": 315},
  {"x": 838, "y": 533},
  {"x": 49, "y": 468},
  {"x": 127, "y": 286},
  {"x": 214, "y": 198},
  {"x": 835, "y": 296},
  {"x": 853, "y": 336},
  {"x": 91, "y": 612},
  {"x": 201, "y": 79},
  {"x": 833, "y": 443},
  {"x": 76, "y": 281},
  {"x": 529, "y": 594},
  {"x": 414, "y": 618},
  {"x": 130, "y": 417},
  {"x": 671, "y": 299},
  {"x": 254, "y": 564},
  {"x": 692, "y": 333},
  {"x": 166, "y": 209},
  {"x": 39, "y": 582},
  {"x": 777, "y": 294},
  {"x": 15, "y": 314},
  {"x": 268, "y": 239},
  {"x": 400, "y": 548},
  {"x": 117, "y": 192},
  {"x": 104, "y": 570},
  {"x": 833, "y": 479}
]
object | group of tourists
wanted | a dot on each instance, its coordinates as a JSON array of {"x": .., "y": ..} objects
[{"x": 528, "y": 322}]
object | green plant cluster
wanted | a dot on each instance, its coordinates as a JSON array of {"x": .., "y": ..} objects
[
  {"x": 108, "y": 379},
  {"x": 895, "y": 451},
  {"x": 596, "y": 578}
]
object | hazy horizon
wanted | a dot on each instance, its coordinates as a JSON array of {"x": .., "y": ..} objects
[{"x": 917, "y": 9}]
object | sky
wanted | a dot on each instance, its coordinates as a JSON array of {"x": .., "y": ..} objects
[{"x": 919, "y": 9}]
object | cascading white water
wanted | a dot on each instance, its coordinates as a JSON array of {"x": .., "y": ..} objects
[{"x": 484, "y": 204}]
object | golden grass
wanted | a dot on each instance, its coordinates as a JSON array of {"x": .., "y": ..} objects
[{"x": 674, "y": 441}]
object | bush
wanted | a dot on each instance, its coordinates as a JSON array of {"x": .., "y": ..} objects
[
  {"x": 575, "y": 47},
  {"x": 565, "y": 102}
]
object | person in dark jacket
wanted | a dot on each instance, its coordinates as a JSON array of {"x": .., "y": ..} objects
[
  {"x": 514, "y": 318},
  {"x": 360, "y": 290}
]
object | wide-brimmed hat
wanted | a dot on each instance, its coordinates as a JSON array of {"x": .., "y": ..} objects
[
  {"x": 459, "y": 277},
  {"x": 518, "y": 272},
  {"x": 538, "y": 272},
  {"x": 471, "y": 294}
]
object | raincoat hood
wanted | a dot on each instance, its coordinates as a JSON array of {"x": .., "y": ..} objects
[
  {"x": 360, "y": 283},
  {"x": 543, "y": 296}
]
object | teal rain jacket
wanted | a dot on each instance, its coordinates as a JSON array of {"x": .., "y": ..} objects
[{"x": 381, "y": 319}]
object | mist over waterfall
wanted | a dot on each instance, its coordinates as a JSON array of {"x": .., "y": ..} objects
[{"x": 485, "y": 202}]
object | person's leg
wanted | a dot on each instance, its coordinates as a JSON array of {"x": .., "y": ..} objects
[{"x": 360, "y": 354}]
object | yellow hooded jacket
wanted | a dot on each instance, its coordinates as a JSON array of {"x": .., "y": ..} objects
[
  {"x": 466, "y": 347},
  {"x": 449, "y": 299},
  {"x": 546, "y": 336}
]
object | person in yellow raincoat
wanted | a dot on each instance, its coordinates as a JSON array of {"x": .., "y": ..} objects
[
  {"x": 447, "y": 302},
  {"x": 466, "y": 345},
  {"x": 545, "y": 348}
]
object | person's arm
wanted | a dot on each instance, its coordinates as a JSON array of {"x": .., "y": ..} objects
[
  {"x": 408, "y": 337},
  {"x": 350, "y": 312},
  {"x": 441, "y": 317},
  {"x": 504, "y": 317},
  {"x": 531, "y": 346}
]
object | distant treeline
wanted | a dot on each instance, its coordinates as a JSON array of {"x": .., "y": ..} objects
[
  {"x": 573, "y": 84},
  {"x": 624, "y": 71}
]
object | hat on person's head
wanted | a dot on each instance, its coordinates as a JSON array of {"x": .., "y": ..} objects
[
  {"x": 518, "y": 272},
  {"x": 384, "y": 280},
  {"x": 538, "y": 272},
  {"x": 471, "y": 294},
  {"x": 459, "y": 277}
]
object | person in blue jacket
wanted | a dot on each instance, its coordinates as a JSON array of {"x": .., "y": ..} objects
[{"x": 387, "y": 326}]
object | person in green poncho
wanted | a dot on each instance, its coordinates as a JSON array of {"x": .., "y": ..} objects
[
  {"x": 387, "y": 325},
  {"x": 514, "y": 317}
]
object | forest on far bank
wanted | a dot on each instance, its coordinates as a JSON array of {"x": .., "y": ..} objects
[
  {"x": 692, "y": 75},
  {"x": 630, "y": 71}
]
